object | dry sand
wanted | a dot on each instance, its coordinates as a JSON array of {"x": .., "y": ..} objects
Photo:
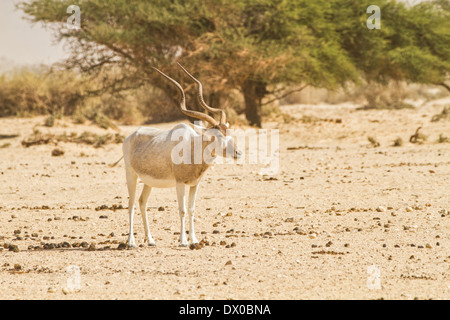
[{"x": 336, "y": 208}]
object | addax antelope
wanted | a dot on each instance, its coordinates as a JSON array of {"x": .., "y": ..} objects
[{"x": 153, "y": 155}]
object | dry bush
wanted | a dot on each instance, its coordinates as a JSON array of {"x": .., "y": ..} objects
[
  {"x": 25, "y": 92},
  {"x": 154, "y": 106},
  {"x": 444, "y": 115},
  {"x": 373, "y": 142},
  {"x": 390, "y": 96},
  {"x": 372, "y": 96},
  {"x": 89, "y": 138},
  {"x": 29, "y": 92},
  {"x": 398, "y": 142},
  {"x": 443, "y": 139}
]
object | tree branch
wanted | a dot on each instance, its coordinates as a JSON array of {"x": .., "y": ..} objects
[
  {"x": 285, "y": 94},
  {"x": 446, "y": 86}
]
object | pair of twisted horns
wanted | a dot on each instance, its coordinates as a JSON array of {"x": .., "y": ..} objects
[{"x": 196, "y": 114}]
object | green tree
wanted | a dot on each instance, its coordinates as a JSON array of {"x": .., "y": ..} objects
[{"x": 263, "y": 48}]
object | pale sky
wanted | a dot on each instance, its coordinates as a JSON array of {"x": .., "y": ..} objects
[{"x": 22, "y": 43}]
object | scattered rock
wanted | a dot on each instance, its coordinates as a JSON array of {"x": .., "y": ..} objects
[
  {"x": 49, "y": 246},
  {"x": 65, "y": 244},
  {"x": 66, "y": 291},
  {"x": 13, "y": 248},
  {"x": 57, "y": 152},
  {"x": 300, "y": 231},
  {"x": 196, "y": 246},
  {"x": 122, "y": 246}
]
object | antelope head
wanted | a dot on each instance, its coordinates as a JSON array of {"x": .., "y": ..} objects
[{"x": 218, "y": 131}]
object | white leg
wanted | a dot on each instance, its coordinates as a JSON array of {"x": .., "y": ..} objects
[
  {"x": 143, "y": 205},
  {"x": 131, "y": 183},
  {"x": 181, "y": 190},
  {"x": 191, "y": 208}
]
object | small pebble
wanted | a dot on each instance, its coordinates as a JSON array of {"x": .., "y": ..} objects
[
  {"x": 57, "y": 152},
  {"x": 122, "y": 246},
  {"x": 66, "y": 291}
]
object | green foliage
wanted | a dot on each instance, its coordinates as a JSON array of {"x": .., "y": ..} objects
[{"x": 260, "y": 47}]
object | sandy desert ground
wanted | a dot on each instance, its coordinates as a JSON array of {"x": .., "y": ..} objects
[{"x": 340, "y": 220}]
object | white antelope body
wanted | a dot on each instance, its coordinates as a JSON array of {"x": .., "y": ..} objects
[{"x": 148, "y": 155}]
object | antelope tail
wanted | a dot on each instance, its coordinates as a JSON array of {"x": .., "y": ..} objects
[{"x": 115, "y": 163}]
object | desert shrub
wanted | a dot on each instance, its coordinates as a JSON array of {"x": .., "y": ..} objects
[
  {"x": 30, "y": 92},
  {"x": 398, "y": 142},
  {"x": 27, "y": 92},
  {"x": 445, "y": 114},
  {"x": 380, "y": 96},
  {"x": 373, "y": 142},
  {"x": 443, "y": 139}
]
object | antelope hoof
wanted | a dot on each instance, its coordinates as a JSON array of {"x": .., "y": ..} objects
[
  {"x": 183, "y": 244},
  {"x": 131, "y": 243}
]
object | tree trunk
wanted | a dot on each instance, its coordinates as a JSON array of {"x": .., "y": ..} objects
[
  {"x": 446, "y": 86},
  {"x": 254, "y": 91}
]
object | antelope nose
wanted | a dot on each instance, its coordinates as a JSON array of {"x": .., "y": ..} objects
[{"x": 237, "y": 154}]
